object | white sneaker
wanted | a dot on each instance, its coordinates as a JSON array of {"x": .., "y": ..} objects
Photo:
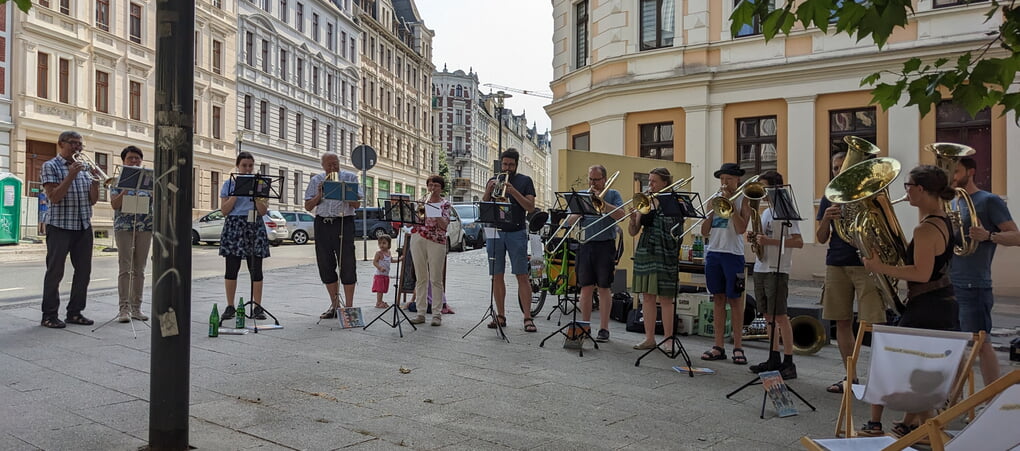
[
  {"x": 137, "y": 314},
  {"x": 123, "y": 317},
  {"x": 437, "y": 320},
  {"x": 420, "y": 319}
]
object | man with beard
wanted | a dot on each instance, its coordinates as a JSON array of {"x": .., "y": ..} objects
[
  {"x": 972, "y": 274},
  {"x": 512, "y": 240}
]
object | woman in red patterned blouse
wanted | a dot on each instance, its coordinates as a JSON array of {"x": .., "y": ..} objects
[{"x": 428, "y": 250}]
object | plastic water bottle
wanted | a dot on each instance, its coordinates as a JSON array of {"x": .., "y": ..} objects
[
  {"x": 239, "y": 318},
  {"x": 214, "y": 322},
  {"x": 699, "y": 247}
]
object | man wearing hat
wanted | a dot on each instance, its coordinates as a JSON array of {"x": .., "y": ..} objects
[{"x": 724, "y": 262}]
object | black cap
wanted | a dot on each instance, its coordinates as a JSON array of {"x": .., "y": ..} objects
[{"x": 729, "y": 169}]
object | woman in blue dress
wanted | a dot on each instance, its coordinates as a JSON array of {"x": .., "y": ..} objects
[{"x": 243, "y": 237}]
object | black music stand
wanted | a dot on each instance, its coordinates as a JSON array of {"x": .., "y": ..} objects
[
  {"x": 402, "y": 211},
  {"x": 255, "y": 186},
  {"x": 674, "y": 205},
  {"x": 494, "y": 214},
  {"x": 784, "y": 208}
]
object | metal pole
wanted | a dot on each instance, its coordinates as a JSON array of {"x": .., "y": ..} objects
[
  {"x": 169, "y": 375},
  {"x": 364, "y": 218}
]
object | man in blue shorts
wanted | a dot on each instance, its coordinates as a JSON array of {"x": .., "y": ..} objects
[
  {"x": 972, "y": 274},
  {"x": 724, "y": 262},
  {"x": 512, "y": 240}
]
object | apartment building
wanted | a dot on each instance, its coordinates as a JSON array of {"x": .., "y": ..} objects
[
  {"x": 6, "y": 120},
  {"x": 396, "y": 95},
  {"x": 666, "y": 80}
]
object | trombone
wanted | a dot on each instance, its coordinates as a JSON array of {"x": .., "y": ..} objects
[
  {"x": 499, "y": 191},
  {"x": 642, "y": 203},
  {"x": 723, "y": 206},
  {"x": 598, "y": 202}
]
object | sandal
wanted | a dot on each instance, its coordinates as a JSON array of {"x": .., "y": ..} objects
[
  {"x": 716, "y": 353},
  {"x": 838, "y": 386},
  {"x": 529, "y": 325},
  {"x": 901, "y": 429},
  {"x": 328, "y": 314},
  {"x": 739, "y": 359},
  {"x": 53, "y": 323},
  {"x": 502, "y": 322},
  {"x": 872, "y": 429}
]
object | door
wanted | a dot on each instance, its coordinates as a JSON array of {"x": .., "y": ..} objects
[{"x": 37, "y": 153}]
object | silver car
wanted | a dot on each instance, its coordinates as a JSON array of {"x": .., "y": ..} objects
[
  {"x": 301, "y": 226},
  {"x": 208, "y": 228}
]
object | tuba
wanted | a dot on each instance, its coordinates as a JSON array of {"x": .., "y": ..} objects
[
  {"x": 755, "y": 192},
  {"x": 947, "y": 156},
  {"x": 874, "y": 225},
  {"x": 858, "y": 150}
]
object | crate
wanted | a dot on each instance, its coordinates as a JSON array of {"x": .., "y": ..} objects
[
  {"x": 688, "y": 324},
  {"x": 687, "y": 303},
  {"x": 706, "y": 320}
]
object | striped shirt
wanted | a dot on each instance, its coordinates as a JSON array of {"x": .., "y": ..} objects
[
  {"x": 329, "y": 208},
  {"x": 74, "y": 211}
]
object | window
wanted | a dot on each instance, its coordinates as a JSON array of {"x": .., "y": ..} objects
[
  {"x": 136, "y": 23},
  {"x": 458, "y": 117},
  {"x": 135, "y": 102},
  {"x": 283, "y": 64},
  {"x": 45, "y": 3},
  {"x": 581, "y": 34},
  {"x": 217, "y": 122},
  {"x": 198, "y": 40},
  {"x": 42, "y": 75},
  {"x": 282, "y": 123},
  {"x": 103, "y": 161},
  {"x": 266, "y": 5},
  {"x": 343, "y": 92},
  {"x": 315, "y": 80},
  {"x": 265, "y": 56},
  {"x": 460, "y": 91},
  {"x": 217, "y": 57},
  {"x": 214, "y": 182},
  {"x": 657, "y": 141},
  {"x": 756, "y": 144},
  {"x": 371, "y": 48},
  {"x": 329, "y": 37},
  {"x": 64, "y": 82},
  {"x": 299, "y": 72},
  {"x": 315, "y": 133},
  {"x": 298, "y": 128},
  {"x": 249, "y": 48},
  {"x": 103, "y": 14},
  {"x": 329, "y": 137},
  {"x": 343, "y": 140},
  {"x": 263, "y": 169},
  {"x": 264, "y": 117},
  {"x": 657, "y": 23},
  {"x": 283, "y": 184},
  {"x": 218, "y": 4},
  {"x": 954, "y": 124},
  {"x": 755, "y": 26},
  {"x": 283, "y": 11},
  {"x": 329, "y": 87},
  {"x": 343, "y": 44},
  {"x": 300, "y": 17},
  {"x": 102, "y": 92},
  {"x": 247, "y": 112},
  {"x": 315, "y": 26},
  {"x": 858, "y": 122},
  {"x": 581, "y": 141},
  {"x": 948, "y": 3},
  {"x": 353, "y": 46},
  {"x": 194, "y": 116},
  {"x": 297, "y": 189},
  {"x": 65, "y": 7}
]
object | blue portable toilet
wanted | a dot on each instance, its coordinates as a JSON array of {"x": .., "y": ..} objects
[{"x": 10, "y": 208}]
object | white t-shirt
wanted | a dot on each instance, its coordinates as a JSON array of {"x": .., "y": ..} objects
[
  {"x": 724, "y": 237},
  {"x": 772, "y": 229}
]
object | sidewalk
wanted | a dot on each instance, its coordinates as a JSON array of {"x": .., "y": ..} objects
[{"x": 312, "y": 386}]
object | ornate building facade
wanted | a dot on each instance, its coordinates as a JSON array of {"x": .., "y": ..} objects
[{"x": 6, "y": 120}]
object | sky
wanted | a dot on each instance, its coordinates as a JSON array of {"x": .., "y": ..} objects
[{"x": 506, "y": 42}]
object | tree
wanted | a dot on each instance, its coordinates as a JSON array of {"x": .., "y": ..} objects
[
  {"x": 444, "y": 171},
  {"x": 976, "y": 80},
  {"x": 23, "y": 5}
]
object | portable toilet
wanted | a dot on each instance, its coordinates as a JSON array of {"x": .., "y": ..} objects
[{"x": 10, "y": 208}]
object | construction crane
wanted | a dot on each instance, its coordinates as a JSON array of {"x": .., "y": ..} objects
[{"x": 520, "y": 91}]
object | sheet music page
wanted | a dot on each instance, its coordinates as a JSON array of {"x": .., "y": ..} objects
[{"x": 433, "y": 210}]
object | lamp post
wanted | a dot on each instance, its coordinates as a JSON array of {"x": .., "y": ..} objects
[{"x": 500, "y": 95}]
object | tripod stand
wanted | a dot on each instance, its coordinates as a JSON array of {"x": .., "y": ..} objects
[
  {"x": 579, "y": 336},
  {"x": 491, "y": 311},
  {"x": 401, "y": 211},
  {"x": 256, "y": 187},
  {"x": 783, "y": 210},
  {"x": 493, "y": 214}
]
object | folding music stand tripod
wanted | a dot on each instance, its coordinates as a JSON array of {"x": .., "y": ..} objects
[
  {"x": 403, "y": 211},
  {"x": 676, "y": 205},
  {"x": 784, "y": 208},
  {"x": 254, "y": 186},
  {"x": 577, "y": 204},
  {"x": 494, "y": 214}
]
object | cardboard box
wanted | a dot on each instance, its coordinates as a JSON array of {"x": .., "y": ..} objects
[
  {"x": 688, "y": 324},
  {"x": 687, "y": 303},
  {"x": 706, "y": 320}
]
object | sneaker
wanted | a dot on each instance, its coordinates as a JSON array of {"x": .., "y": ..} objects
[
  {"x": 258, "y": 312},
  {"x": 789, "y": 372},
  {"x": 123, "y": 317},
  {"x": 768, "y": 365},
  {"x": 603, "y": 336},
  {"x": 228, "y": 313},
  {"x": 644, "y": 345},
  {"x": 437, "y": 320},
  {"x": 420, "y": 319},
  {"x": 137, "y": 314}
]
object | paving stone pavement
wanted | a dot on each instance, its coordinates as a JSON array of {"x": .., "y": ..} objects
[{"x": 316, "y": 386}]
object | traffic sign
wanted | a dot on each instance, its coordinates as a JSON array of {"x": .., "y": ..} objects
[{"x": 363, "y": 157}]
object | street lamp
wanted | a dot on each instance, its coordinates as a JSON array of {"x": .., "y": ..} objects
[{"x": 500, "y": 95}]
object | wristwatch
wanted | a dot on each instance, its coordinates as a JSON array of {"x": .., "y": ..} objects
[{"x": 990, "y": 237}]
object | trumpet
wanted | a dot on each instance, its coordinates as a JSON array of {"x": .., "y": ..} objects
[
  {"x": 642, "y": 204},
  {"x": 94, "y": 171},
  {"x": 722, "y": 206},
  {"x": 499, "y": 191}
]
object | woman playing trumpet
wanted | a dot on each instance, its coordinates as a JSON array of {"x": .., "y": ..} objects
[{"x": 656, "y": 260}]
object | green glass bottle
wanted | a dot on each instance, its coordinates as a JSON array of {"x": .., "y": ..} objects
[
  {"x": 239, "y": 319},
  {"x": 214, "y": 322}
]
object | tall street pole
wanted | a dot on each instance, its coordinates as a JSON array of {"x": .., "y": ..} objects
[
  {"x": 500, "y": 95},
  {"x": 169, "y": 374}
]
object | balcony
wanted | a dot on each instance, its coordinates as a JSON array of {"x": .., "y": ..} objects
[{"x": 462, "y": 184}]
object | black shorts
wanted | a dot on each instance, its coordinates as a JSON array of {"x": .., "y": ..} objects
[
  {"x": 330, "y": 251},
  {"x": 596, "y": 263},
  {"x": 933, "y": 310}
]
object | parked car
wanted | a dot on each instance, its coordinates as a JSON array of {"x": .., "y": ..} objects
[
  {"x": 374, "y": 223},
  {"x": 208, "y": 227},
  {"x": 474, "y": 232},
  {"x": 301, "y": 226},
  {"x": 456, "y": 241}
]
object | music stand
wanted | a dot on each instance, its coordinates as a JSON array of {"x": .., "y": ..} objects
[
  {"x": 674, "y": 205},
  {"x": 495, "y": 214},
  {"x": 403, "y": 211},
  {"x": 784, "y": 209},
  {"x": 342, "y": 191},
  {"x": 254, "y": 186},
  {"x": 577, "y": 203}
]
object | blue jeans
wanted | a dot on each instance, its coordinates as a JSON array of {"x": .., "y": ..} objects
[{"x": 975, "y": 308}]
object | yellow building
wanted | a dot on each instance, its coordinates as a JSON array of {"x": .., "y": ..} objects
[{"x": 666, "y": 80}]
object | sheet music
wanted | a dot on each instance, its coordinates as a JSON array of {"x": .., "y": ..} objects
[{"x": 434, "y": 210}]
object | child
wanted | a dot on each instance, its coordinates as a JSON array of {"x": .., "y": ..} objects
[{"x": 381, "y": 281}]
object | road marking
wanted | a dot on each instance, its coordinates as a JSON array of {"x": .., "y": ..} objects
[{"x": 12, "y": 289}]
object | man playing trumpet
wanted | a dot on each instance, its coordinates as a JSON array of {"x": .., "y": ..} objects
[{"x": 596, "y": 258}]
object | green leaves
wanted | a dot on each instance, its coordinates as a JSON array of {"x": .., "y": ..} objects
[{"x": 23, "y": 5}]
